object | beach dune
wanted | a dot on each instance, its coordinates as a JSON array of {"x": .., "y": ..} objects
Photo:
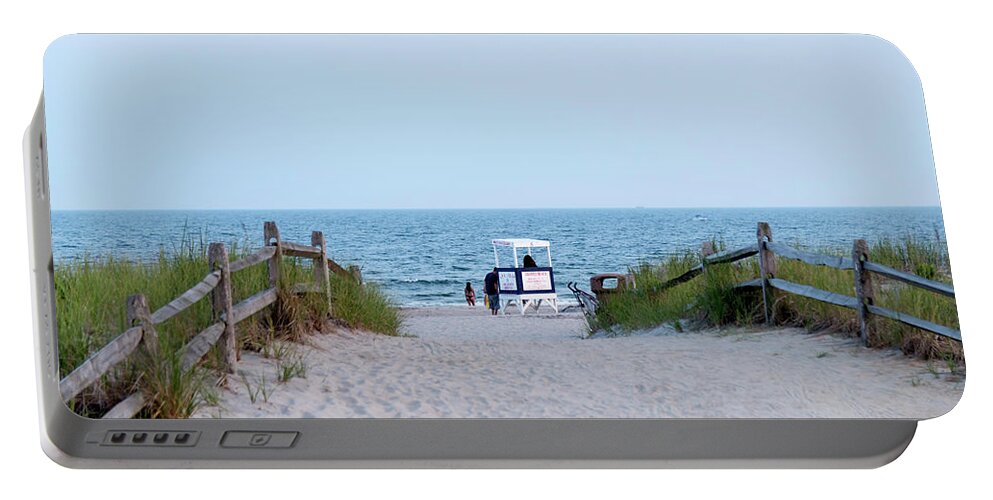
[{"x": 463, "y": 363}]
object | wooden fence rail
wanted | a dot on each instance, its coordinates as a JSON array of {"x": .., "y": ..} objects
[
  {"x": 708, "y": 259},
  {"x": 911, "y": 279},
  {"x": 863, "y": 302},
  {"x": 814, "y": 259},
  {"x": 222, "y": 333}
]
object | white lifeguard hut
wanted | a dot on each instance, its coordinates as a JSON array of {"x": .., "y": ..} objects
[{"x": 525, "y": 287}]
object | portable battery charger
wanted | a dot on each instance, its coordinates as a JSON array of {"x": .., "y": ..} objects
[{"x": 486, "y": 251}]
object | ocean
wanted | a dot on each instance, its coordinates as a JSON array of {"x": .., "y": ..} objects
[{"x": 425, "y": 257}]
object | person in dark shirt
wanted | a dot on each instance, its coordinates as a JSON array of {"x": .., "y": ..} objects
[
  {"x": 491, "y": 287},
  {"x": 529, "y": 261}
]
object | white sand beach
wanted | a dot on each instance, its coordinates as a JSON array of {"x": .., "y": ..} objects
[{"x": 463, "y": 363}]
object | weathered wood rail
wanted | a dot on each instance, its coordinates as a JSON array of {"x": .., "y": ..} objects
[
  {"x": 863, "y": 300},
  {"x": 221, "y": 333}
]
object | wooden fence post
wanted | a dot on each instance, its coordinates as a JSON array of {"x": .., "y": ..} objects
[
  {"x": 767, "y": 268},
  {"x": 356, "y": 273},
  {"x": 321, "y": 275},
  {"x": 138, "y": 314},
  {"x": 222, "y": 303},
  {"x": 706, "y": 249},
  {"x": 271, "y": 235},
  {"x": 863, "y": 288}
]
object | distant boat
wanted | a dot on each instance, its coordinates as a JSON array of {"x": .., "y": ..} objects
[{"x": 700, "y": 218}]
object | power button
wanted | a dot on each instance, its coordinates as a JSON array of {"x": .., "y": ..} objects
[{"x": 260, "y": 439}]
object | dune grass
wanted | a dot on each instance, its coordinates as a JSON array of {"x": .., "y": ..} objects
[
  {"x": 364, "y": 306},
  {"x": 90, "y": 310},
  {"x": 711, "y": 298}
]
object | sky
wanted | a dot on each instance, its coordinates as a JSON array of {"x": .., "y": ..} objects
[{"x": 484, "y": 121}]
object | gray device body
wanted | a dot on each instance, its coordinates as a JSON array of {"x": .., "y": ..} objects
[{"x": 76, "y": 441}]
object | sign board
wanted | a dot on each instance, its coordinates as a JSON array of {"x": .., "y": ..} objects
[
  {"x": 526, "y": 281},
  {"x": 508, "y": 281},
  {"x": 533, "y": 281}
]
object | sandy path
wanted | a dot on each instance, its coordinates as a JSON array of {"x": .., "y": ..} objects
[{"x": 464, "y": 363}]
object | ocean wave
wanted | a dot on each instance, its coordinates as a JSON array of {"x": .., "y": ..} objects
[
  {"x": 425, "y": 281},
  {"x": 434, "y": 294}
]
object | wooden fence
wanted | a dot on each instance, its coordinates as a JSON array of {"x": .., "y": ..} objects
[
  {"x": 226, "y": 315},
  {"x": 863, "y": 269}
]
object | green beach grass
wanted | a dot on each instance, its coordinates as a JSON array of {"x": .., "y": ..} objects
[
  {"x": 90, "y": 311},
  {"x": 712, "y": 300}
]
